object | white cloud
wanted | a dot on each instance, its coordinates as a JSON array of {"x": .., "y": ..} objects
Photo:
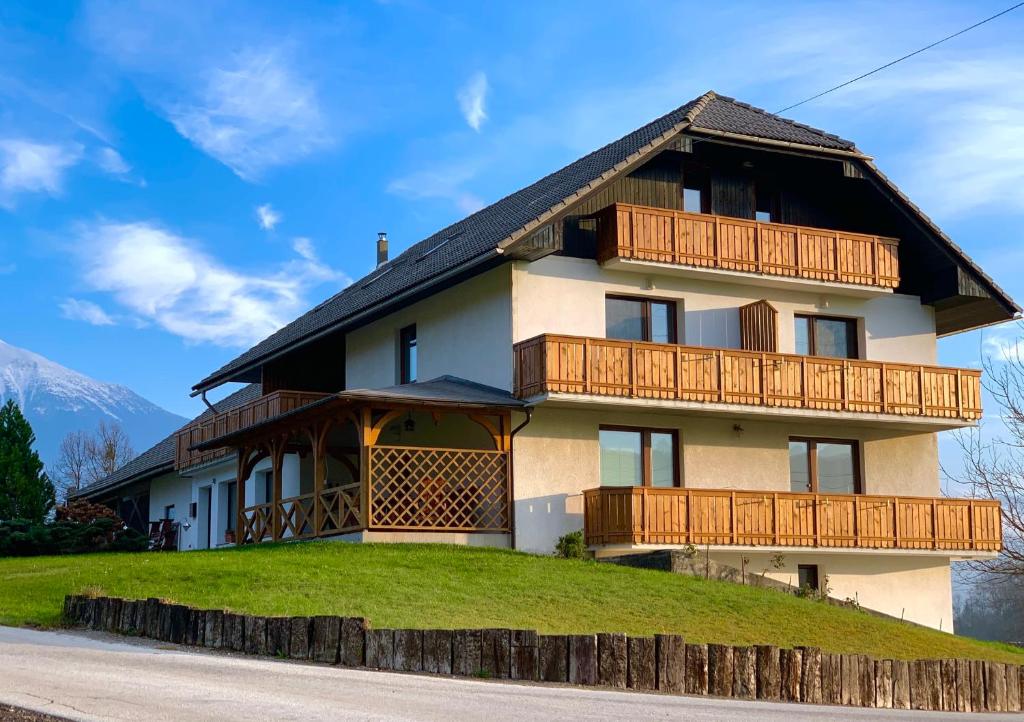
[
  {"x": 445, "y": 183},
  {"x": 304, "y": 247},
  {"x": 110, "y": 161},
  {"x": 252, "y": 114},
  {"x": 267, "y": 217},
  {"x": 78, "y": 310},
  {"x": 29, "y": 167},
  {"x": 472, "y": 98},
  {"x": 172, "y": 282}
]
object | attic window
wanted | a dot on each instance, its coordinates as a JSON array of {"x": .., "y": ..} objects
[{"x": 386, "y": 271}]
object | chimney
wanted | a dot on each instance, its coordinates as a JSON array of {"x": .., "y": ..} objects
[{"x": 382, "y": 248}]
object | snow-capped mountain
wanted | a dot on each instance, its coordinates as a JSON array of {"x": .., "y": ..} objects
[{"x": 57, "y": 400}]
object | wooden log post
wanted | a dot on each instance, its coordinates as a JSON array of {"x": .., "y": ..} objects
[
  {"x": 234, "y": 631},
  {"x": 437, "y": 651},
  {"x": 810, "y": 675},
  {"x": 995, "y": 687},
  {"x": 925, "y": 685},
  {"x": 670, "y": 651},
  {"x": 583, "y": 659},
  {"x": 352, "y": 642},
  {"x": 380, "y": 648},
  {"x": 900, "y": 684},
  {"x": 769, "y": 673},
  {"x": 867, "y": 681},
  {"x": 963, "y": 685},
  {"x": 641, "y": 672},
  {"x": 467, "y": 652},
  {"x": 883, "y": 683},
  {"x": 525, "y": 664},
  {"x": 612, "y": 660},
  {"x": 197, "y": 627},
  {"x": 720, "y": 670},
  {"x": 409, "y": 650},
  {"x": 278, "y": 635},
  {"x": 947, "y": 680},
  {"x": 553, "y": 651},
  {"x": 255, "y": 635},
  {"x": 850, "y": 679},
  {"x": 978, "y": 686},
  {"x": 744, "y": 678},
  {"x": 300, "y": 632},
  {"x": 496, "y": 653},
  {"x": 213, "y": 634},
  {"x": 831, "y": 669},
  {"x": 696, "y": 676},
  {"x": 1012, "y": 688},
  {"x": 791, "y": 667},
  {"x": 163, "y": 631},
  {"x": 152, "y": 629},
  {"x": 324, "y": 639}
]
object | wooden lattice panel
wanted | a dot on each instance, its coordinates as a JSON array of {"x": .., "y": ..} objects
[{"x": 438, "y": 489}]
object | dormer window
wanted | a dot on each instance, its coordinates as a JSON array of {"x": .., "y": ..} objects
[{"x": 407, "y": 354}]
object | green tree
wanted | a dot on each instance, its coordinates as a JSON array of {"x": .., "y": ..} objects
[{"x": 25, "y": 490}]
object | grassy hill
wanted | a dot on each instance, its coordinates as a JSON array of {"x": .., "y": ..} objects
[{"x": 447, "y": 587}]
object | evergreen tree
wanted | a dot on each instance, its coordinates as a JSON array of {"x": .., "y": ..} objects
[{"x": 25, "y": 490}]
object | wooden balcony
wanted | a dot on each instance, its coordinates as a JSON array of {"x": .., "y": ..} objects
[
  {"x": 550, "y": 364},
  {"x": 213, "y": 426},
  {"x": 704, "y": 241},
  {"x": 662, "y": 516}
]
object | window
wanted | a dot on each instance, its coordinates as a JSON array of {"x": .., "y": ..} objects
[
  {"x": 766, "y": 205},
  {"x": 231, "y": 506},
  {"x": 268, "y": 486},
  {"x": 807, "y": 574},
  {"x": 824, "y": 466},
  {"x": 169, "y": 512},
  {"x": 696, "y": 191},
  {"x": 640, "y": 319},
  {"x": 826, "y": 336},
  {"x": 407, "y": 354},
  {"x": 638, "y": 457}
]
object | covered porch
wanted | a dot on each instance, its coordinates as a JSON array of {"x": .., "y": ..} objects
[{"x": 420, "y": 458}]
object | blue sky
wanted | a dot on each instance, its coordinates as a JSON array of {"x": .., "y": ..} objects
[{"x": 177, "y": 179}]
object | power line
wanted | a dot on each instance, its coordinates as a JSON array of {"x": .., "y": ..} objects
[{"x": 900, "y": 60}]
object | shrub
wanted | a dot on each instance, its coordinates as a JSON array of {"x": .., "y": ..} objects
[
  {"x": 571, "y": 546},
  {"x": 20, "y": 538}
]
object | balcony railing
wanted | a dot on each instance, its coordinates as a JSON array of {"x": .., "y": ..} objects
[
  {"x": 644, "y": 515},
  {"x": 606, "y": 367},
  {"x": 735, "y": 244},
  {"x": 216, "y": 425}
]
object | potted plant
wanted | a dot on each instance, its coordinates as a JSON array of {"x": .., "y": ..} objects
[{"x": 229, "y": 536}]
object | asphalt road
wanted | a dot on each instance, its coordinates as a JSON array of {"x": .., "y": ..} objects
[{"x": 93, "y": 677}]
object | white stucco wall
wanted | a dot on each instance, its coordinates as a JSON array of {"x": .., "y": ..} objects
[
  {"x": 463, "y": 331},
  {"x": 566, "y": 296}
]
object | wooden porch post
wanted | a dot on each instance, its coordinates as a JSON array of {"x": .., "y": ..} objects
[
  {"x": 366, "y": 439},
  {"x": 318, "y": 440},
  {"x": 277, "y": 463},
  {"x": 242, "y": 455}
]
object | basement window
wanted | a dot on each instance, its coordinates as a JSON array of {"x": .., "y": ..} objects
[{"x": 807, "y": 574}]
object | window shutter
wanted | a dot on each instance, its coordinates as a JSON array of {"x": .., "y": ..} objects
[{"x": 759, "y": 327}]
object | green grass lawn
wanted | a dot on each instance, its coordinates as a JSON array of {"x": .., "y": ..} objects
[{"x": 419, "y": 585}]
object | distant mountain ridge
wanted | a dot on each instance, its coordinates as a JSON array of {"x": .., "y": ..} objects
[{"x": 57, "y": 400}]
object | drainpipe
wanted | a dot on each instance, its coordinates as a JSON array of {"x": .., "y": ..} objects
[
  {"x": 511, "y": 474},
  {"x": 207, "y": 402}
]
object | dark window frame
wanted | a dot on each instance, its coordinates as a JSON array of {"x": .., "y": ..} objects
[
  {"x": 767, "y": 200},
  {"x": 852, "y": 333},
  {"x": 645, "y": 313},
  {"x": 812, "y": 460},
  {"x": 407, "y": 341},
  {"x": 168, "y": 509},
  {"x": 231, "y": 517},
  {"x": 813, "y": 570},
  {"x": 646, "y": 465},
  {"x": 697, "y": 179}
]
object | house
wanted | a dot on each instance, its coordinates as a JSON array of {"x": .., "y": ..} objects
[{"x": 718, "y": 331}]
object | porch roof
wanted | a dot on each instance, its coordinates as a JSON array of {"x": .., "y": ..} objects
[{"x": 443, "y": 391}]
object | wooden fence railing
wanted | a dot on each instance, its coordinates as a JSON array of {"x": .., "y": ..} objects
[
  {"x": 216, "y": 425},
  {"x": 336, "y": 510},
  {"x": 736, "y": 244},
  {"x": 606, "y": 367},
  {"x": 644, "y": 515},
  {"x": 429, "y": 489}
]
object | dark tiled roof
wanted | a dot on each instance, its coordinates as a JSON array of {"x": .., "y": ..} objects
[
  {"x": 443, "y": 389},
  {"x": 159, "y": 458},
  {"x": 474, "y": 240}
]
